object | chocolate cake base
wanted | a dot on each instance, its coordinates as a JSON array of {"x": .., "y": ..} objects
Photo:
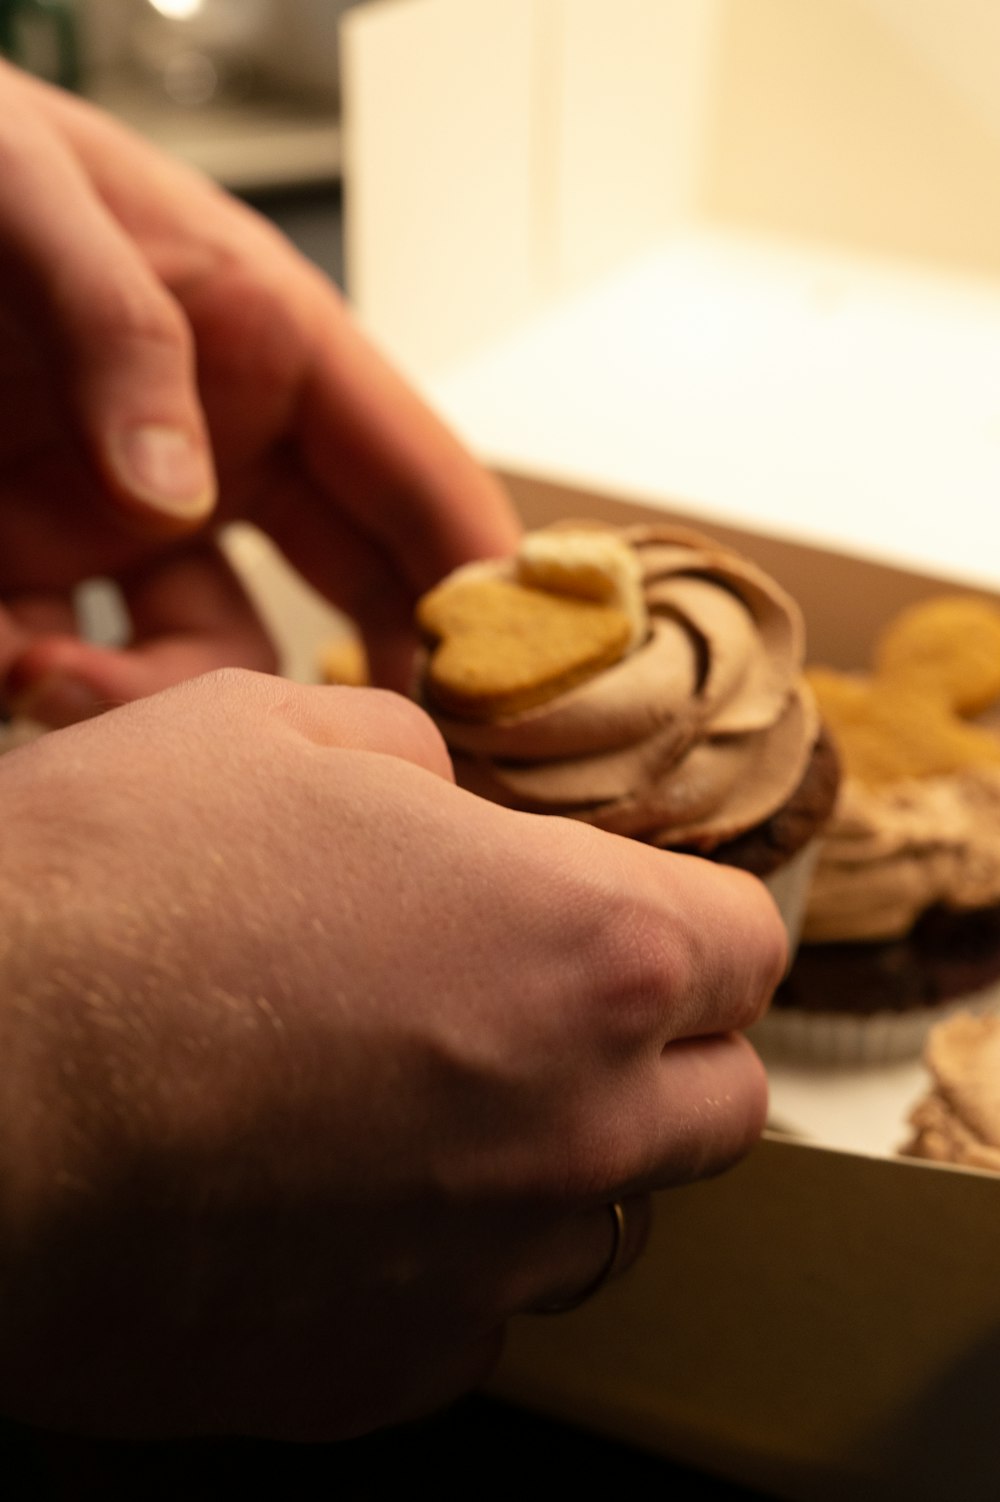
[
  {"x": 763, "y": 849},
  {"x": 947, "y": 955}
]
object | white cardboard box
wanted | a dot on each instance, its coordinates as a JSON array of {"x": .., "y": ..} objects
[
  {"x": 744, "y": 254},
  {"x": 738, "y": 262}
]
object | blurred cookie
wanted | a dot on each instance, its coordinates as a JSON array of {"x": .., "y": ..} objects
[
  {"x": 947, "y": 648},
  {"x": 958, "y": 1120},
  {"x": 344, "y": 662},
  {"x": 887, "y": 730}
]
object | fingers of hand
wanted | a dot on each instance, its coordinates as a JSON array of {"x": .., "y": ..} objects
[
  {"x": 587, "y": 1252},
  {"x": 367, "y": 433},
  {"x": 189, "y": 614},
  {"x": 369, "y": 719},
  {"x": 118, "y": 342},
  {"x": 351, "y": 719},
  {"x": 381, "y": 465},
  {"x": 673, "y": 946},
  {"x": 348, "y": 568},
  {"x": 713, "y": 1108},
  {"x": 657, "y": 964},
  {"x": 716, "y": 959}
]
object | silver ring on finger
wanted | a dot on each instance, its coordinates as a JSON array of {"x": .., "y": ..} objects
[{"x": 562, "y": 1306}]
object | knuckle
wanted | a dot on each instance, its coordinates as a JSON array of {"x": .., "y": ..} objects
[
  {"x": 646, "y": 972},
  {"x": 408, "y": 715},
  {"x": 232, "y": 678},
  {"x": 609, "y": 927},
  {"x": 638, "y": 969},
  {"x": 756, "y": 956},
  {"x": 671, "y": 959},
  {"x": 725, "y": 1127},
  {"x": 235, "y": 685},
  {"x": 587, "y": 1157},
  {"x": 129, "y": 311},
  {"x": 390, "y": 721}
]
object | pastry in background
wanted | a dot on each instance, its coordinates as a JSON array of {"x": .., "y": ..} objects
[
  {"x": 646, "y": 680},
  {"x": 344, "y": 662},
  {"x": 958, "y": 1120},
  {"x": 18, "y": 732},
  {"x": 902, "y": 925}
]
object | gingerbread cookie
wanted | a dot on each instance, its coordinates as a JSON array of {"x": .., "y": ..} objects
[
  {"x": 887, "y": 731},
  {"x": 507, "y": 635},
  {"x": 947, "y": 648},
  {"x": 499, "y": 646},
  {"x": 935, "y": 664}
]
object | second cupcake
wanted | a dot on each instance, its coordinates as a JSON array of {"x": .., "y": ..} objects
[{"x": 903, "y": 920}]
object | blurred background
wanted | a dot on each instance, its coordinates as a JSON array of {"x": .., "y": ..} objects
[{"x": 246, "y": 90}]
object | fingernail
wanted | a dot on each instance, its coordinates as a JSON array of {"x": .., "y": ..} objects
[
  {"x": 56, "y": 700},
  {"x": 164, "y": 467}
]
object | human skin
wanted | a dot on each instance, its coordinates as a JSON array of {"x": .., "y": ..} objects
[
  {"x": 136, "y": 296},
  {"x": 317, "y": 1069}
]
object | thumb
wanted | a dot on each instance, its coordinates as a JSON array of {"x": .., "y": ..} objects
[{"x": 120, "y": 342}]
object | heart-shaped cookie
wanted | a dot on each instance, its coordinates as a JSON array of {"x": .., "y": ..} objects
[{"x": 498, "y": 647}]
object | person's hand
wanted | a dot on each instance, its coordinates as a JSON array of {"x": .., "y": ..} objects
[
  {"x": 169, "y": 362},
  {"x": 317, "y": 1068}
]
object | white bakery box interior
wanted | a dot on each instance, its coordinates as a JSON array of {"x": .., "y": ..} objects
[{"x": 735, "y": 262}]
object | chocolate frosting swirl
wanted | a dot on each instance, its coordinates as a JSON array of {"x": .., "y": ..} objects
[
  {"x": 700, "y": 733},
  {"x": 891, "y": 853}
]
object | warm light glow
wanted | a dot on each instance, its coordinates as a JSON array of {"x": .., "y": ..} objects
[{"x": 178, "y": 10}]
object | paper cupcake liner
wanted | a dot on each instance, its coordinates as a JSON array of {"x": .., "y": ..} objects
[
  {"x": 786, "y": 1034},
  {"x": 789, "y": 886}
]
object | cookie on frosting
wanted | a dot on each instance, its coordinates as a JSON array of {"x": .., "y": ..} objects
[
  {"x": 505, "y": 635},
  {"x": 589, "y": 562},
  {"x": 499, "y": 646}
]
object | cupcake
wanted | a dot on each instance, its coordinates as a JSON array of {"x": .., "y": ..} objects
[
  {"x": 645, "y": 680},
  {"x": 958, "y": 1120},
  {"x": 902, "y": 925}
]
